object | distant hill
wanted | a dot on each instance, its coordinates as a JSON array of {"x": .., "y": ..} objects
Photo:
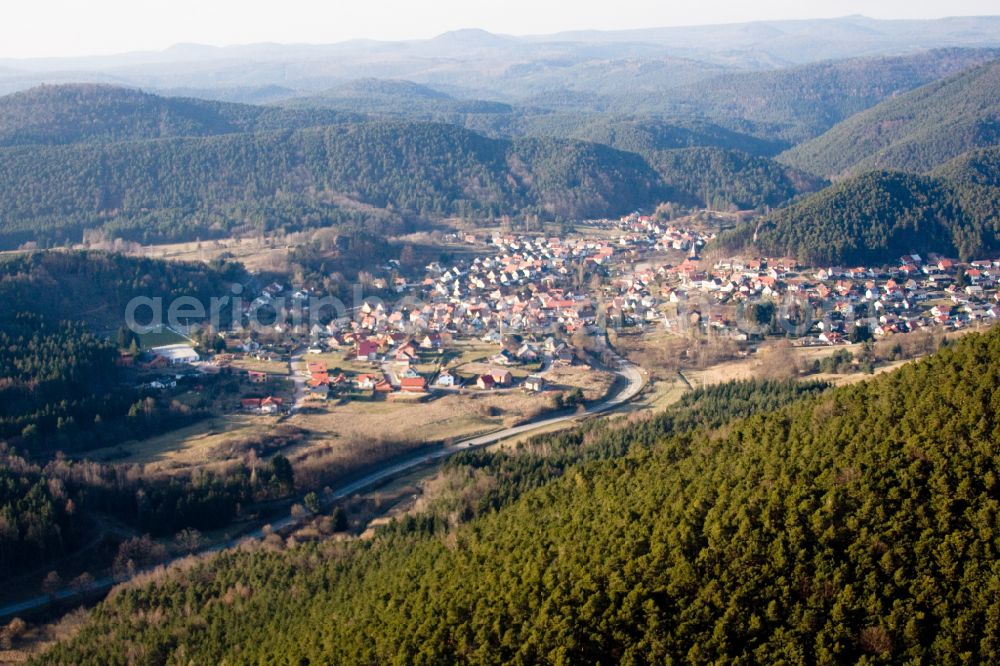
[
  {"x": 795, "y": 104},
  {"x": 405, "y": 99},
  {"x": 510, "y": 68},
  {"x": 149, "y": 168},
  {"x": 50, "y": 115},
  {"x": 395, "y": 97},
  {"x": 641, "y": 134},
  {"x": 880, "y": 215},
  {"x": 266, "y": 94},
  {"x": 213, "y": 185},
  {"x": 916, "y": 131}
]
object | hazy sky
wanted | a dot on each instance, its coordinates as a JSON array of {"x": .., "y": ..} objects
[{"x": 31, "y": 28}]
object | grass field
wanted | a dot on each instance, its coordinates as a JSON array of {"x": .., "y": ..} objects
[
  {"x": 340, "y": 431},
  {"x": 161, "y": 337},
  {"x": 659, "y": 395},
  {"x": 279, "y": 368},
  {"x": 189, "y": 446},
  {"x": 594, "y": 383},
  {"x": 468, "y": 352},
  {"x": 247, "y": 251}
]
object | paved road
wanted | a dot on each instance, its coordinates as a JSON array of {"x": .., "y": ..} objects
[{"x": 634, "y": 382}]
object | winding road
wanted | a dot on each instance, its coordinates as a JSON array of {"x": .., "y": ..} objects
[{"x": 634, "y": 382}]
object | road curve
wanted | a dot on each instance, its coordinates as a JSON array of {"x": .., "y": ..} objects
[{"x": 634, "y": 381}]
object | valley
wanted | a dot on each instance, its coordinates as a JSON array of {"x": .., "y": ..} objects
[{"x": 666, "y": 345}]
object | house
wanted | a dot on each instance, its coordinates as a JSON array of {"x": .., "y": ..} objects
[
  {"x": 501, "y": 377},
  {"x": 831, "y": 338},
  {"x": 485, "y": 382},
  {"x": 413, "y": 384},
  {"x": 503, "y": 358},
  {"x": 270, "y": 405},
  {"x": 256, "y": 377},
  {"x": 406, "y": 353},
  {"x": 527, "y": 353},
  {"x": 446, "y": 379},
  {"x": 319, "y": 379},
  {"x": 534, "y": 383},
  {"x": 367, "y": 350},
  {"x": 318, "y": 392},
  {"x": 250, "y": 404},
  {"x": 366, "y": 382},
  {"x": 941, "y": 311},
  {"x": 431, "y": 341},
  {"x": 565, "y": 356}
]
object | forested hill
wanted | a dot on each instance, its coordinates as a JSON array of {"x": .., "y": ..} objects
[
  {"x": 797, "y": 103},
  {"x": 404, "y": 99},
  {"x": 880, "y": 215},
  {"x": 914, "y": 132},
  {"x": 859, "y": 526},
  {"x": 723, "y": 179},
  {"x": 95, "y": 287},
  {"x": 210, "y": 186},
  {"x": 89, "y": 112},
  {"x": 59, "y": 385},
  {"x": 397, "y": 98}
]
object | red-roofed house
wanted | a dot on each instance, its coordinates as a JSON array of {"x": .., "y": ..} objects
[
  {"x": 413, "y": 384},
  {"x": 367, "y": 350}
]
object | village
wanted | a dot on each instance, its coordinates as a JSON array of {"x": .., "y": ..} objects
[{"x": 530, "y": 314}]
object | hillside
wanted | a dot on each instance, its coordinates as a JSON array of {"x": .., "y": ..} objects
[
  {"x": 152, "y": 169},
  {"x": 208, "y": 186},
  {"x": 723, "y": 179},
  {"x": 976, "y": 180},
  {"x": 877, "y": 217},
  {"x": 62, "y": 114},
  {"x": 642, "y": 134},
  {"x": 405, "y": 99},
  {"x": 58, "y": 382},
  {"x": 95, "y": 287},
  {"x": 858, "y": 526},
  {"x": 915, "y": 132}
]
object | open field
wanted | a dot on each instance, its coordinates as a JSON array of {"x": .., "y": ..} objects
[
  {"x": 594, "y": 383},
  {"x": 188, "y": 446},
  {"x": 469, "y": 351},
  {"x": 447, "y": 417},
  {"x": 279, "y": 368},
  {"x": 342, "y": 361},
  {"x": 472, "y": 370},
  {"x": 659, "y": 394},
  {"x": 356, "y": 429},
  {"x": 160, "y": 337},
  {"x": 248, "y": 251}
]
